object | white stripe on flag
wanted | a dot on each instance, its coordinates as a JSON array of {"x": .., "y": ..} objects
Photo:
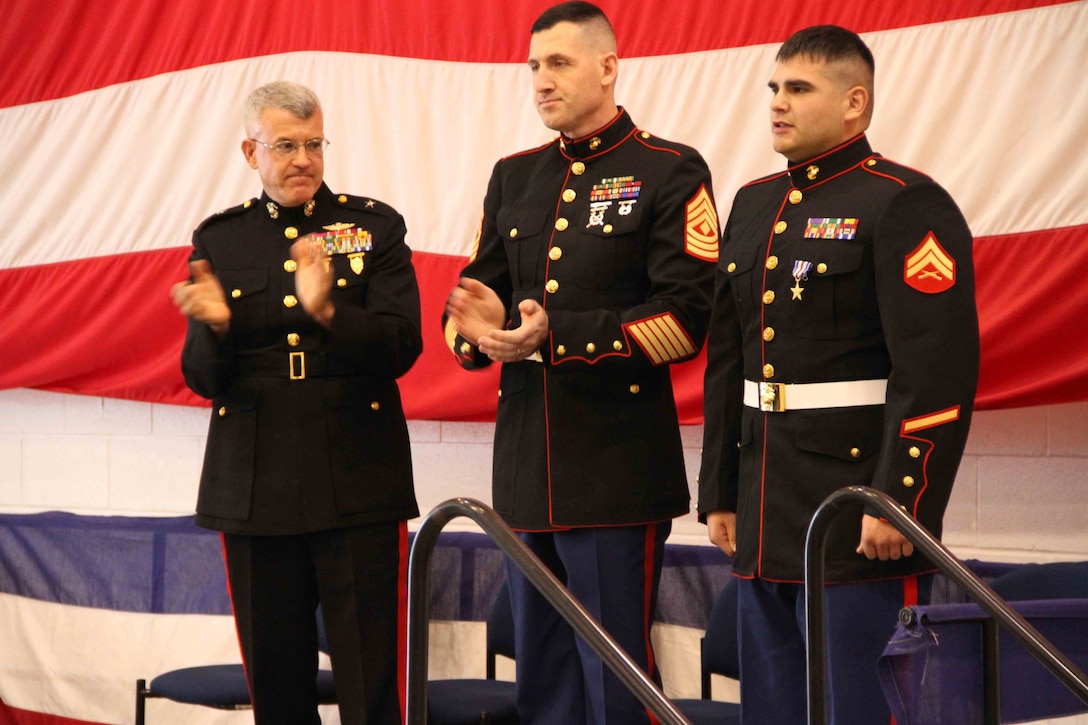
[{"x": 975, "y": 103}]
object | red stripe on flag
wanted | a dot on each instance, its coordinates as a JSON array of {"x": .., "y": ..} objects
[
  {"x": 437, "y": 388},
  {"x": 99, "y": 326},
  {"x": 1031, "y": 299},
  {"x": 15, "y": 716},
  {"x": 48, "y": 42},
  {"x": 106, "y": 326}
]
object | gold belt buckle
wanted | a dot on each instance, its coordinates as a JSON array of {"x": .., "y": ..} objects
[
  {"x": 772, "y": 397},
  {"x": 297, "y": 365}
]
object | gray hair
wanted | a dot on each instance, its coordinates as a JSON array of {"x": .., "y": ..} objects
[{"x": 293, "y": 97}]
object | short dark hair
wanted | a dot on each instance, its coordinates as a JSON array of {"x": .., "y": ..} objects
[
  {"x": 826, "y": 43},
  {"x": 575, "y": 11}
]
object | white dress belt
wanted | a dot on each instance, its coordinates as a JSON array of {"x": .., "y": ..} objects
[{"x": 780, "y": 397}]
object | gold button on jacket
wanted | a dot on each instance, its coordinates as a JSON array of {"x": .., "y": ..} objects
[
  {"x": 872, "y": 309},
  {"x": 619, "y": 245},
  {"x": 283, "y": 367}
]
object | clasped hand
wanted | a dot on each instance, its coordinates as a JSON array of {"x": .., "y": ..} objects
[{"x": 480, "y": 316}]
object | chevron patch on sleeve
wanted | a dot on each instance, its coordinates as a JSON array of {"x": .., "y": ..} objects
[
  {"x": 929, "y": 268},
  {"x": 476, "y": 242}
]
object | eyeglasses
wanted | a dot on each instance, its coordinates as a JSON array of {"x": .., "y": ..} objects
[{"x": 285, "y": 148}]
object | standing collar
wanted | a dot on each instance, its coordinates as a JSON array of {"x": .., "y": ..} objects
[
  {"x": 295, "y": 214},
  {"x": 830, "y": 163},
  {"x": 600, "y": 141}
]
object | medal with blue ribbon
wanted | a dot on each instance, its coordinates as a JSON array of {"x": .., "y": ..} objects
[{"x": 800, "y": 272}]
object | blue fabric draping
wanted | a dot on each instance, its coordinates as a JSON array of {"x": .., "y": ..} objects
[
  {"x": 931, "y": 670},
  {"x": 171, "y": 566}
]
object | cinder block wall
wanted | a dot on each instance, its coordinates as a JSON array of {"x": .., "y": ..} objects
[{"x": 1019, "y": 495}]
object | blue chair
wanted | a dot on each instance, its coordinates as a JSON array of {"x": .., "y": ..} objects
[
  {"x": 223, "y": 687},
  {"x": 720, "y": 655},
  {"x": 475, "y": 701},
  {"x": 1060, "y": 580}
]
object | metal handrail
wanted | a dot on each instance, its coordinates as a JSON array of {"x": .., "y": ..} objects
[
  {"x": 815, "y": 574},
  {"x": 419, "y": 564}
]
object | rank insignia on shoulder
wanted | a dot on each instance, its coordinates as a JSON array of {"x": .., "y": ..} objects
[
  {"x": 701, "y": 227},
  {"x": 831, "y": 228},
  {"x": 475, "y": 250},
  {"x": 343, "y": 238},
  {"x": 929, "y": 268}
]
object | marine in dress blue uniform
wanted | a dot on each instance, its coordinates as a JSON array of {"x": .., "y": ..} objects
[
  {"x": 612, "y": 234},
  {"x": 843, "y": 350},
  {"x": 308, "y": 470}
]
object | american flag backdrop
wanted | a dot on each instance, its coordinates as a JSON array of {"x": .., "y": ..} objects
[{"x": 121, "y": 128}]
